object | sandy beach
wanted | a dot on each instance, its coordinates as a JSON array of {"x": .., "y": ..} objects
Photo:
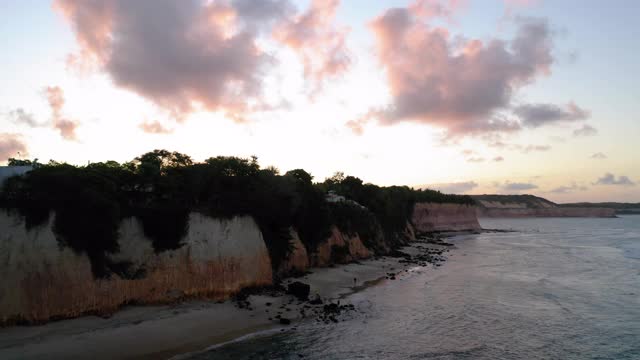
[{"x": 171, "y": 330}]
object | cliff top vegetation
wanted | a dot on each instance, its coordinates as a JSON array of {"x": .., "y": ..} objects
[{"x": 161, "y": 188}]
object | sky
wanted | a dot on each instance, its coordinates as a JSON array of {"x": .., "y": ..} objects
[{"x": 465, "y": 96}]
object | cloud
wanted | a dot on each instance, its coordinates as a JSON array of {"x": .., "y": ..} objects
[
  {"x": 498, "y": 159},
  {"x": 585, "y": 130},
  {"x": 462, "y": 86},
  {"x": 154, "y": 127},
  {"x": 475, "y": 159},
  {"x": 610, "y": 179},
  {"x": 517, "y": 186},
  {"x": 536, "y": 115},
  {"x": 66, "y": 126},
  {"x": 454, "y": 188},
  {"x": 599, "y": 155},
  {"x": 20, "y": 116},
  {"x": 569, "y": 188},
  {"x": 11, "y": 145},
  {"x": 532, "y": 148},
  {"x": 318, "y": 42},
  {"x": 189, "y": 55}
]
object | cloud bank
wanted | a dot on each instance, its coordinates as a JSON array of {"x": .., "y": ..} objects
[{"x": 610, "y": 179}]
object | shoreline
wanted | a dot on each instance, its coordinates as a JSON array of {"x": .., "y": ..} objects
[{"x": 171, "y": 331}]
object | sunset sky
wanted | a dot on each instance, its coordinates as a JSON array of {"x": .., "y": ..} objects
[{"x": 504, "y": 96}]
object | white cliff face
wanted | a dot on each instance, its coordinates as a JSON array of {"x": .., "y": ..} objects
[
  {"x": 428, "y": 217},
  {"x": 43, "y": 280}
]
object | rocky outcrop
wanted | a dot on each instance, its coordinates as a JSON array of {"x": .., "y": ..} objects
[
  {"x": 298, "y": 260},
  {"x": 43, "y": 280},
  {"x": 339, "y": 248},
  {"x": 516, "y": 212},
  {"x": 430, "y": 217}
]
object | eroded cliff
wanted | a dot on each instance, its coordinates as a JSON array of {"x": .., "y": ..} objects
[{"x": 43, "y": 280}]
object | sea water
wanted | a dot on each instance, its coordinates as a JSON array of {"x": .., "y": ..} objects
[{"x": 553, "y": 288}]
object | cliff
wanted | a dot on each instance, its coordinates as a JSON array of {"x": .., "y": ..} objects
[
  {"x": 429, "y": 217},
  {"x": 532, "y": 206},
  {"x": 545, "y": 212},
  {"x": 43, "y": 280}
]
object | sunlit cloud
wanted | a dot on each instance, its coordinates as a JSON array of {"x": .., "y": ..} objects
[
  {"x": 154, "y": 127},
  {"x": 318, "y": 41},
  {"x": 66, "y": 126},
  {"x": 462, "y": 86},
  {"x": 11, "y": 145}
]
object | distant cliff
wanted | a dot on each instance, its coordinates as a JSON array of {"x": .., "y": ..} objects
[
  {"x": 532, "y": 206},
  {"x": 429, "y": 217}
]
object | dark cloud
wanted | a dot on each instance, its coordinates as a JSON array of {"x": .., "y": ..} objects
[
  {"x": 454, "y": 188},
  {"x": 585, "y": 130},
  {"x": 517, "y": 186},
  {"x": 11, "y": 145},
  {"x": 66, "y": 126},
  {"x": 154, "y": 127},
  {"x": 610, "y": 179},
  {"x": 20, "y": 116},
  {"x": 599, "y": 155},
  {"x": 257, "y": 12},
  {"x": 569, "y": 188},
  {"x": 536, "y": 115}
]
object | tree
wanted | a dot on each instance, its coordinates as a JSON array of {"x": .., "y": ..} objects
[{"x": 300, "y": 175}]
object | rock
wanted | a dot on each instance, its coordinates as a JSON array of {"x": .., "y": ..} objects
[
  {"x": 299, "y": 290},
  {"x": 285, "y": 321},
  {"x": 316, "y": 301}
]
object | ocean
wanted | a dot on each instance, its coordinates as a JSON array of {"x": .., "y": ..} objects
[{"x": 554, "y": 288}]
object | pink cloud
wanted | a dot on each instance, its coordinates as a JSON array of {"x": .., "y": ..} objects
[
  {"x": 66, "y": 126},
  {"x": 465, "y": 87},
  {"x": 189, "y": 55},
  {"x": 11, "y": 145},
  {"x": 154, "y": 127},
  {"x": 318, "y": 42}
]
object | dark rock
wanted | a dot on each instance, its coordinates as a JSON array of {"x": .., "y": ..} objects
[
  {"x": 299, "y": 290},
  {"x": 285, "y": 321},
  {"x": 316, "y": 301}
]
